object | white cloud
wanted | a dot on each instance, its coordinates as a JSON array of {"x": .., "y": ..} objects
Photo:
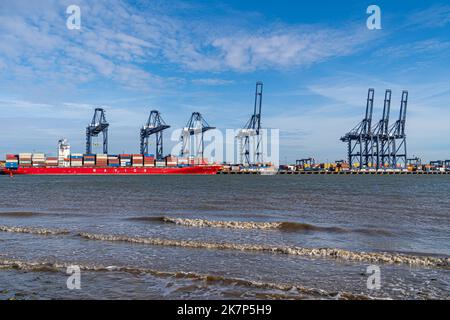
[
  {"x": 428, "y": 47},
  {"x": 433, "y": 17},
  {"x": 283, "y": 47},
  {"x": 212, "y": 82},
  {"x": 119, "y": 42}
]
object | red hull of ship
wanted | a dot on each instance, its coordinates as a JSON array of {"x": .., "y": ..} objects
[{"x": 192, "y": 170}]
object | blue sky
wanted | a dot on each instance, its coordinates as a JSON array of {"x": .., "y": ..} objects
[{"x": 317, "y": 60}]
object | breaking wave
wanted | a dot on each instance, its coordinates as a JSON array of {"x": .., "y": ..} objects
[
  {"x": 243, "y": 225},
  {"x": 251, "y": 225},
  {"x": 37, "y": 266},
  {"x": 39, "y": 231},
  {"x": 331, "y": 253},
  {"x": 147, "y": 219},
  {"x": 337, "y": 254}
]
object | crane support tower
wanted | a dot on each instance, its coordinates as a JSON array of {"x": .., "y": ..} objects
[
  {"x": 397, "y": 135},
  {"x": 381, "y": 146},
  {"x": 98, "y": 125},
  {"x": 381, "y": 135},
  {"x": 155, "y": 126},
  {"x": 360, "y": 139},
  {"x": 195, "y": 128},
  {"x": 252, "y": 129}
]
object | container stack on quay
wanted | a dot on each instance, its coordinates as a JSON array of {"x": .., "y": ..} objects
[
  {"x": 113, "y": 161},
  {"x": 137, "y": 160},
  {"x": 125, "y": 160},
  {"x": 76, "y": 160},
  {"x": 102, "y": 160},
  {"x": 149, "y": 160},
  {"x": 12, "y": 161}
]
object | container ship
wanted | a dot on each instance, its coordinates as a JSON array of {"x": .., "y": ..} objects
[{"x": 104, "y": 164}]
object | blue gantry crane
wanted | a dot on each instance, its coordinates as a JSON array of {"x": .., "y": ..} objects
[
  {"x": 195, "y": 128},
  {"x": 98, "y": 125},
  {"x": 382, "y": 145},
  {"x": 360, "y": 139},
  {"x": 155, "y": 126},
  {"x": 397, "y": 135},
  {"x": 252, "y": 129},
  {"x": 416, "y": 162},
  {"x": 381, "y": 134}
]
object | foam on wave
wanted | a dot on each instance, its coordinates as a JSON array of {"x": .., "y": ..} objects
[
  {"x": 337, "y": 254},
  {"x": 39, "y": 266}
]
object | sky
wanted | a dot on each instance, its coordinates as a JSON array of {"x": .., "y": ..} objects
[{"x": 317, "y": 60}]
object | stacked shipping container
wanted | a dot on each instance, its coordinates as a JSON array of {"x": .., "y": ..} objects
[
  {"x": 12, "y": 161},
  {"x": 125, "y": 160},
  {"x": 51, "y": 162},
  {"x": 160, "y": 163},
  {"x": 38, "y": 160},
  {"x": 89, "y": 160},
  {"x": 171, "y": 161},
  {"x": 102, "y": 160},
  {"x": 76, "y": 160},
  {"x": 137, "y": 160},
  {"x": 149, "y": 160},
  {"x": 113, "y": 161},
  {"x": 25, "y": 159},
  {"x": 183, "y": 162},
  {"x": 198, "y": 161}
]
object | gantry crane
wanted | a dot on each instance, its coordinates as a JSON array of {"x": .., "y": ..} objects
[
  {"x": 416, "y": 161},
  {"x": 252, "y": 129},
  {"x": 196, "y": 126},
  {"x": 155, "y": 125},
  {"x": 360, "y": 139},
  {"x": 98, "y": 125},
  {"x": 381, "y": 134},
  {"x": 397, "y": 135}
]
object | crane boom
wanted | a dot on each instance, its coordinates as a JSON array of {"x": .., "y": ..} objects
[
  {"x": 155, "y": 126},
  {"x": 98, "y": 125}
]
